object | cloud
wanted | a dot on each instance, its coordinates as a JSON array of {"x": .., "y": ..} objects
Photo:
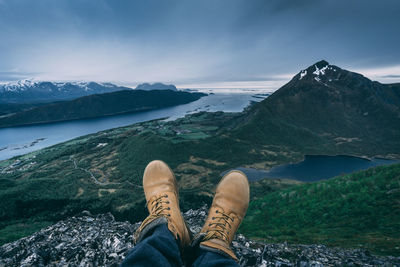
[
  {"x": 193, "y": 42},
  {"x": 391, "y": 76},
  {"x": 15, "y": 75},
  {"x": 385, "y": 74}
]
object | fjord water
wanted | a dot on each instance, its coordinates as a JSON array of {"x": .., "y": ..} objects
[
  {"x": 317, "y": 167},
  {"x": 20, "y": 140}
]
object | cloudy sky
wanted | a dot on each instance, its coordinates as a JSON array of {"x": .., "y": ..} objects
[{"x": 203, "y": 43}]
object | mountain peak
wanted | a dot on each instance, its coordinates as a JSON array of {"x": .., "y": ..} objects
[
  {"x": 321, "y": 69},
  {"x": 321, "y": 63}
]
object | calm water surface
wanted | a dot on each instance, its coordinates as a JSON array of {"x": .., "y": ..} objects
[
  {"x": 20, "y": 140},
  {"x": 315, "y": 168}
]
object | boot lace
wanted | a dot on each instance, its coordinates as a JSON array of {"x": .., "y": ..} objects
[
  {"x": 157, "y": 210},
  {"x": 218, "y": 228}
]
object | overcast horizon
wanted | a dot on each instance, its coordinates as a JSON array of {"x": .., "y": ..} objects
[{"x": 196, "y": 44}]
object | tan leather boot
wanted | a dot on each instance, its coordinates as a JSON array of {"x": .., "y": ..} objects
[
  {"x": 161, "y": 191},
  {"x": 226, "y": 213}
]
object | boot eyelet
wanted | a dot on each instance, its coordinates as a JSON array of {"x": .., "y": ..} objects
[
  {"x": 169, "y": 208},
  {"x": 167, "y": 202},
  {"x": 213, "y": 218},
  {"x": 209, "y": 224},
  {"x": 216, "y": 211}
]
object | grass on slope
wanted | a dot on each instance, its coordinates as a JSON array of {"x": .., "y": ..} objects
[{"x": 356, "y": 210}]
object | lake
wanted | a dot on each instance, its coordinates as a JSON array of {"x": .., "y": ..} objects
[
  {"x": 316, "y": 167},
  {"x": 21, "y": 140}
]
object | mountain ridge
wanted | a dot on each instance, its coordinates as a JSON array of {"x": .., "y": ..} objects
[
  {"x": 97, "y": 105},
  {"x": 31, "y": 91}
]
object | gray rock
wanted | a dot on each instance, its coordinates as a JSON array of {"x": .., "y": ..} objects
[{"x": 89, "y": 240}]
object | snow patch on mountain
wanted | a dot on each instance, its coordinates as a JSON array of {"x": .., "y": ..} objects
[
  {"x": 320, "y": 71},
  {"x": 302, "y": 74},
  {"x": 14, "y": 86}
]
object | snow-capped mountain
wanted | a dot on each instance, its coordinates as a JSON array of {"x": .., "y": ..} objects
[
  {"x": 16, "y": 85},
  {"x": 30, "y": 91},
  {"x": 327, "y": 100}
]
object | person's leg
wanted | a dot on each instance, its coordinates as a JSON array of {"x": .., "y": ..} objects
[
  {"x": 213, "y": 259},
  {"x": 163, "y": 234},
  {"x": 158, "y": 248},
  {"x": 212, "y": 244}
]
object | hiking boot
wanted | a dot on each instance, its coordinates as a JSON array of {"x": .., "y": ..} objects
[
  {"x": 161, "y": 191},
  {"x": 225, "y": 215}
]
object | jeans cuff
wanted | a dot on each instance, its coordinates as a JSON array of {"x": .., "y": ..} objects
[{"x": 148, "y": 229}]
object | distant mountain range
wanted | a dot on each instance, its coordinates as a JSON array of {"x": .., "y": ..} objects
[
  {"x": 30, "y": 91},
  {"x": 26, "y": 94},
  {"x": 98, "y": 105},
  {"x": 156, "y": 86}
]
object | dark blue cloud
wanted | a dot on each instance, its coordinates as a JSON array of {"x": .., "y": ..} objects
[{"x": 193, "y": 41}]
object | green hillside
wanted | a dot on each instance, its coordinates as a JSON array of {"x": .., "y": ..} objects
[{"x": 356, "y": 210}]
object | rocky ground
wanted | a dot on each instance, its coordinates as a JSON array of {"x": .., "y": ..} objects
[{"x": 88, "y": 240}]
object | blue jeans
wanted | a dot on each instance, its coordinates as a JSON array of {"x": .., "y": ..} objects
[{"x": 160, "y": 248}]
